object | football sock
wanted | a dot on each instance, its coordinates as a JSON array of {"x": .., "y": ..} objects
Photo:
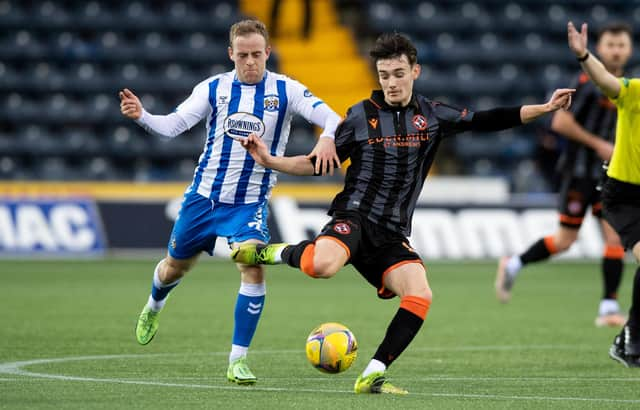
[
  {"x": 514, "y": 264},
  {"x": 612, "y": 270},
  {"x": 237, "y": 352},
  {"x": 159, "y": 291},
  {"x": 540, "y": 250},
  {"x": 249, "y": 307},
  {"x": 374, "y": 366},
  {"x": 608, "y": 307},
  {"x": 403, "y": 328},
  {"x": 300, "y": 256},
  {"x": 634, "y": 312}
]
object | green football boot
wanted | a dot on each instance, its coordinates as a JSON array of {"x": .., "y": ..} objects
[
  {"x": 147, "y": 325},
  {"x": 376, "y": 383},
  {"x": 239, "y": 372},
  {"x": 257, "y": 254}
]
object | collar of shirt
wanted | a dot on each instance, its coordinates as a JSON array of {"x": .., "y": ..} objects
[
  {"x": 237, "y": 81},
  {"x": 377, "y": 96}
]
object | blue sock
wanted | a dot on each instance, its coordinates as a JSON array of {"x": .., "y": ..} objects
[
  {"x": 249, "y": 307},
  {"x": 159, "y": 291}
]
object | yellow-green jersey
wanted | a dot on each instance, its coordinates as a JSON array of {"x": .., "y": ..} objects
[{"x": 625, "y": 162}]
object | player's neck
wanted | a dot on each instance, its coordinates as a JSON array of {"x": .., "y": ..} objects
[{"x": 401, "y": 104}]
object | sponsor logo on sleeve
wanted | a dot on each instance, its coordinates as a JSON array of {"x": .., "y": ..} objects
[{"x": 307, "y": 93}]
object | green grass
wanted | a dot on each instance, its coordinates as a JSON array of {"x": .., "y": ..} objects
[{"x": 540, "y": 351}]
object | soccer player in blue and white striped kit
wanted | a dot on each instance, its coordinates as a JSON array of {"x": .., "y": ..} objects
[{"x": 229, "y": 193}]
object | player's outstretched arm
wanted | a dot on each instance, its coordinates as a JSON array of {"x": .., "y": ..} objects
[
  {"x": 167, "y": 126},
  {"x": 298, "y": 165},
  {"x": 561, "y": 98},
  {"x": 606, "y": 81},
  {"x": 502, "y": 118}
]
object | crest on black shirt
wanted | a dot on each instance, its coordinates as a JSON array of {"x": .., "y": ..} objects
[{"x": 419, "y": 122}]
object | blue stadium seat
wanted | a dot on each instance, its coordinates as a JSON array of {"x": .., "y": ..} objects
[{"x": 62, "y": 63}]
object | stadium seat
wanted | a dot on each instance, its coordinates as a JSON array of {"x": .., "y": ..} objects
[{"x": 62, "y": 64}]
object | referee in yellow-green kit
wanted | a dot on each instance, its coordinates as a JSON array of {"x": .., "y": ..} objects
[{"x": 621, "y": 191}]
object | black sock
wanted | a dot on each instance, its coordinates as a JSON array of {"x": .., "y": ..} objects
[
  {"x": 536, "y": 252},
  {"x": 292, "y": 254},
  {"x": 400, "y": 333},
  {"x": 634, "y": 312},
  {"x": 611, "y": 275}
]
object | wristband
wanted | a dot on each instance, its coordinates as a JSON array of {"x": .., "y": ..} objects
[
  {"x": 333, "y": 137},
  {"x": 583, "y": 58}
]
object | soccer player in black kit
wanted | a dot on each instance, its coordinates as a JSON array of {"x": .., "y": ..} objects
[
  {"x": 391, "y": 139},
  {"x": 590, "y": 131}
]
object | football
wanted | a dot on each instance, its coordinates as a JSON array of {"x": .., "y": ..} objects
[{"x": 331, "y": 348}]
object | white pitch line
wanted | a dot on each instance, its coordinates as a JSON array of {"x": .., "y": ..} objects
[
  {"x": 16, "y": 368},
  {"x": 329, "y": 379},
  {"x": 303, "y": 390}
]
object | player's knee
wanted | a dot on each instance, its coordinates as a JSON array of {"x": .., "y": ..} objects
[
  {"x": 562, "y": 244},
  {"x": 426, "y": 294},
  {"x": 252, "y": 273},
  {"x": 422, "y": 293},
  {"x": 324, "y": 266},
  {"x": 172, "y": 269}
]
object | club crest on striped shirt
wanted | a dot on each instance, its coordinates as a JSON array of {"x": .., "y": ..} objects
[{"x": 271, "y": 102}]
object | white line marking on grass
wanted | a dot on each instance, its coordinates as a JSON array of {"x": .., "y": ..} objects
[
  {"x": 16, "y": 368},
  {"x": 520, "y": 379},
  {"x": 536, "y": 398}
]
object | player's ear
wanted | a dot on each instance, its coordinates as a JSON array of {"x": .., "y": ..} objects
[
  {"x": 230, "y": 50},
  {"x": 267, "y": 52},
  {"x": 415, "y": 71}
]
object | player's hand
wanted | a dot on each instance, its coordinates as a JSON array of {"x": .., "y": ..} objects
[
  {"x": 577, "y": 40},
  {"x": 130, "y": 105},
  {"x": 257, "y": 149},
  {"x": 604, "y": 149},
  {"x": 561, "y": 98},
  {"x": 325, "y": 155}
]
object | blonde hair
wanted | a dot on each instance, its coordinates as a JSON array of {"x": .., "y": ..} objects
[{"x": 249, "y": 26}]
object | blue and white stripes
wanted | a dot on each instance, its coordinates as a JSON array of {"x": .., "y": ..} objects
[{"x": 226, "y": 172}]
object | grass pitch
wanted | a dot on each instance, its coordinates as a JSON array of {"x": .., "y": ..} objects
[{"x": 67, "y": 340}]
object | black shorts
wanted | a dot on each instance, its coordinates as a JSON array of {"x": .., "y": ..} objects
[
  {"x": 621, "y": 202},
  {"x": 372, "y": 249},
  {"x": 576, "y": 195}
]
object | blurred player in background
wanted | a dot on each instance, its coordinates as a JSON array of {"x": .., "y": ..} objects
[
  {"x": 229, "y": 193},
  {"x": 590, "y": 129},
  {"x": 621, "y": 191},
  {"x": 391, "y": 139}
]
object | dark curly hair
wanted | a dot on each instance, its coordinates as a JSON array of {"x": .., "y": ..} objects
[{"x": 393, "y": 45}]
